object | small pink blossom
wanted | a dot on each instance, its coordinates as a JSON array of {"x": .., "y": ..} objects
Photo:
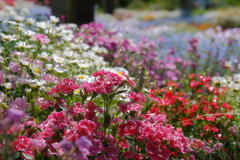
[{"x": 42, "y": 38}]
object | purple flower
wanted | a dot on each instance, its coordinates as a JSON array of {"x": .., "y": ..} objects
[
  {"x": 233, "y": 130},
  {"x": 14, "y": 66},
  {"x": 39, "y": 144},
  {"x": 218, "y": 146},
  {"x": 19, "y": 103},
  {"x": 15, "y": 115},
  {"x": 66, "y": 145},
  {"x": 1, "y": 77},
  {"x": 207, "y": 149},
  {"x": 83, "y": 145}
]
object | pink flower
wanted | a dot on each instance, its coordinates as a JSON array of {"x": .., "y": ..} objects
[
  {"x": 112, "y": 152},
  {"x": 1, "y": 77},
  {"x": 129, "y": 107},
  {"x": 24, "y": 144},
  {"x": 86, "y": 86},
  {"x": 54, "y": 149},
  {"x": 50, "y": 78},
  {"x": 84, "y": 128},
  {"x": 129, "y": 128},
  {"x": 39, "y": 144},
  {"x": 19, "y": 103},
  {"x": 15, "y": 115},
  {"x": 137, "y": 97},
  {"x": 42, "y": 38},
  {"x": 157, "y": 152},
  {"x": 14, "y": 67},
  {"x": 78, "y": 108},
  {"x": 46, "y": 104},
  {"x": 30, "y": 122},
  {"x": 105, "y": 81},
  {"x": 92, "y": 107},
  {"x": 96, "y": 147}
]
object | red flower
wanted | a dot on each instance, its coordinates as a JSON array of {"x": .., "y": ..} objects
[
  {"x": 128, "y": 128},
  {"x": 65, "y": 86},
  {"x": 137, "y": 97},
  {"x": 204, "y": 79},
  {"x": 195, "y": 84},
  {"x": 210, "y": 127},
  {"x": 227, "y": 106},
  {"x": 186, "y": 122},
  {"x": 105, "y": 81},
  {"x": 129, "y": 107},
  {"x": 157, "y": 152},
  {"x": 24, "y": 144},
  {"x": 229, "y": 116}
]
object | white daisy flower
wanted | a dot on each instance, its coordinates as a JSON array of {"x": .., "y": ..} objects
[
  {"x": 22, "y": 44},
  {"x": 24, "y": 62},
  {"x": 7, "y": 38},
  {"x": 54, "y": 19},
  {"x": 44, "y": 55},
  {"x": 59, "y": 60},
  {"x": 59, "y": 70},
  {"x": 37, "y": 70},
  {"x": 30, "y": 21}
]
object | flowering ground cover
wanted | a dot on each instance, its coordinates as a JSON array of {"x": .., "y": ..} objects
[{"x": 87, "y": 93}]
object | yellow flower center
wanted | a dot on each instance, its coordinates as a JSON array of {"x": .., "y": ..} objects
[
  {"x": 37, "y": 70},
  {"x": 77, "y": 91},
  {"x": 120, "y": 73},
  {"x": 81, "y": 77}
]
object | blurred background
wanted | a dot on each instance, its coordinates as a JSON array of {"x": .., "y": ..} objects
[{"x": 225, "y": 13}]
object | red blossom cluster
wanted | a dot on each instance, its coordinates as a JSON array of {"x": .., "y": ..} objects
[
  {"x": 196, "y": 103},
  {"x": 66, "y": 86}
]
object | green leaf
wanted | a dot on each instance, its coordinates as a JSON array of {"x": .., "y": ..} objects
[
  {"x": 16, "y": 155},
  {"x": 62, "y": 107},
  {"x": 28, "y": 157}
]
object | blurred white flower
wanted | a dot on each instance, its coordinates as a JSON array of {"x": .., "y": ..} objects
[
  {"x": 44, "y": 55},
  {"x": 37, "y": 70},
  {"x": 59, "y": 60},
  {"x": 49, "y": 67},
  {"x": 41, "y": 25},
  {"x": 30, "y": 21},
  {"x": 228, "y": 64},
  {"x": 28, "y": 33},
  {"x": 54, "y": 19},
  {"x": 7, "y": 38},
  {"x": 1, "y": 50},
  {"x": 82, "y": 77},
  {"x": 83, "y": 64},
  {"x": 236, "y": 78},
  {"x": 8, "y": 85},
  {"x": 24, "y": 62},
  {"x": 22, "y": 44},
  {"x": 18, "y": 18},
  {"x": 59, "y": 70},
  {"x": 234, "y": 86}
]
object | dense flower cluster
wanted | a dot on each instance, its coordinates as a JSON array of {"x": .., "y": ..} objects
[{"x": 60, "y": 99}]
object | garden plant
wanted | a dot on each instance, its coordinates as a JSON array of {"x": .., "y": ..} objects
[{"x": 79, "y": 93}]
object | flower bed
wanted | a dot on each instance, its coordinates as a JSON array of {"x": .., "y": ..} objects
[{"x": 62, "y": 98}]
